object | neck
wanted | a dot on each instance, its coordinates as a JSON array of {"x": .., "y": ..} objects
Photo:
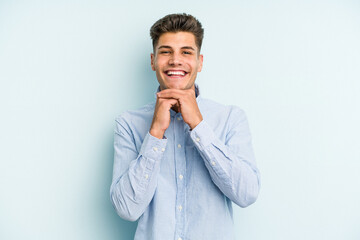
[{"x": 176, "y": 108}]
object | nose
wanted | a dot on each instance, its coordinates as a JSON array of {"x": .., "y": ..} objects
[{"x": 175, "y": 59}]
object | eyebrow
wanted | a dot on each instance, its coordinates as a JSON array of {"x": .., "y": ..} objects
[
  {"x": 185, "y": 47},
  {"x": 164, "y": 46}
]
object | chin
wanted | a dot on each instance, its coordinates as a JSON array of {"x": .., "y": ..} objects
[{"x": 176, "y": 86}]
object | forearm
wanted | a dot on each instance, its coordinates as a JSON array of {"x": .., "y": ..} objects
[
  {"x": 132, "y": 190},
  {"x": 232, "y": 168}
]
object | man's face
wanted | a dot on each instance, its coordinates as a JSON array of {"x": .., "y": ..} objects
[{"x": 176, "y": 60}]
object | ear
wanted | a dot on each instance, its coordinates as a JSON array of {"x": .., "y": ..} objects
[
  {"x": 152, "y": 56},
  {"x": 201, "y": 59}
]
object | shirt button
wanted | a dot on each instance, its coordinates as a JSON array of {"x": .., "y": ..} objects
[
  {"x": 146, "y": 176},
  {"x": 179, "y": 146},
  {"x": 178, "y": 118},
  {"x": 179, "y": 238},
  {"x": 163, "y": 149},
  {"x": 180, "y": 207},
  {"x": 155, "y": 149},
  {"x": 181, "y": 177},
  {"x": 198, "y": 139},
  {"x": 213, "y": 163}
]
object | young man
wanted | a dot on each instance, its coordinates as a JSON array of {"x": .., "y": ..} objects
[{"x": 180, "y": 162}]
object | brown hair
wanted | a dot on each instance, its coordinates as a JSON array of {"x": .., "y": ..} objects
[{"x": 177, "y": 23}]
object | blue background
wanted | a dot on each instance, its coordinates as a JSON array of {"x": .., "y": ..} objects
[{"x": 68, "y": 68}]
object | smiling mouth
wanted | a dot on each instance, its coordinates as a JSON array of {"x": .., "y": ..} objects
[{"x": 175, "y": 73}]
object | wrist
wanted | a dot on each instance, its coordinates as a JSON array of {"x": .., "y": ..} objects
[
  {"x": 193, "y": 125},
  {"x": 157, "y": 133}
]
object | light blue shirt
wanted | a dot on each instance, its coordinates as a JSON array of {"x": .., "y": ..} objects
[{"x": 182, "y": 187}]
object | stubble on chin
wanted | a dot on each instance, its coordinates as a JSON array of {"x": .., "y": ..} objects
[{"x": 179, "y": 88}]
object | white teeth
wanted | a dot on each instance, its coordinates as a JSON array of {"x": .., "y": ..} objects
[{"x": 175, "y": 73}]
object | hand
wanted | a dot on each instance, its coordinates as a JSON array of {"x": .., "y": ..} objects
[
  {"x": 161, "y": 119},
  {"x": 187, "y": 104}
]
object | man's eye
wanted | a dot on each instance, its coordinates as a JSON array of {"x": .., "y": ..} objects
[
  {"x": 185, "y": 52},
  {"x": 164, "y": 52}
]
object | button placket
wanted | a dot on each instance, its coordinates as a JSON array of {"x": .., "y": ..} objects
[{"x": 180, "y": 167}]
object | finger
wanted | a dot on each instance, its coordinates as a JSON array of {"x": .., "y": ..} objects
[
  {"x": 189, "y": 91},
  {"x": 169, "y": 101},
  {"x": 171, "y": 93}
]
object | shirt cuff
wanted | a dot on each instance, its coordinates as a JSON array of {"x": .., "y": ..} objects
[
  {"x": 202, "y": 135},
  {"x": 152, "y": 147}
]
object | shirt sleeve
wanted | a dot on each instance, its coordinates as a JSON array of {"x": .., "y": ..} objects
[
  {"x": 231, "y": 164},
  {"x": 134, "y": 174}
]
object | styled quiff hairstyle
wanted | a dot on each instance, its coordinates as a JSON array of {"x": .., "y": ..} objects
[{"x": 177, "y": 23}]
